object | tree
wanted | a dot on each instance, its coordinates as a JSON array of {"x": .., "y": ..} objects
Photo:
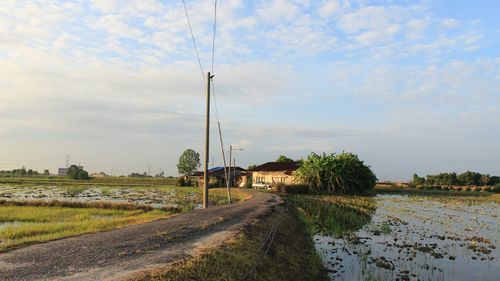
[
  {"x": 77, "y": 173},
  {"x": 189, "y": 161},
  {"x": 250, "y": 167},
  {"x": 417, "y": 180},
  {"x": 334, "y": 173},
  {"x": 283, "y": 158}
]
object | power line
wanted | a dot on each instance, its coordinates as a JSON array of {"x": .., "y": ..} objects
[
  {"x": 194, "y": 41},
  {"x": 213, "y": 40}
]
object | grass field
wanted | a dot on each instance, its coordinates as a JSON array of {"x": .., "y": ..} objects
[
  {"x": 35, "y": 210},
  {"x": 20, "y": 225}
]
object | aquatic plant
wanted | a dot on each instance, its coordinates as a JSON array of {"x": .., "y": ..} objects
[{"x": 334, "y": 215}]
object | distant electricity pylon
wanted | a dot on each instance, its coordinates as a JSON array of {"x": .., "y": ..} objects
[{"x": 67, "y": 160}]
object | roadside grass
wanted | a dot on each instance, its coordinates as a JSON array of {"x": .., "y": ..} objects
[
  {"x": 32, "y": 221},
  {"x": 334, "y": 215},
  {"x": 21, "y": 225},
  {"x": 291, "y": 255}
]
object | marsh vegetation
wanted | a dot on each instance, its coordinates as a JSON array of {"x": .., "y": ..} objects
[{"x": 405, "y": 237}]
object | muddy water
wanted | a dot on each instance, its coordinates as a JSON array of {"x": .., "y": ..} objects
[
  {"x": 154, "y": 198},
  {"x": 418, "y": 238}
]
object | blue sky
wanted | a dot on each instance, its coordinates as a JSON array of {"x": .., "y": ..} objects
[{"x": 410, "y": 86}]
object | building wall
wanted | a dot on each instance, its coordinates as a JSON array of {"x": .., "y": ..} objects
[{"x": 273, "y": 177}]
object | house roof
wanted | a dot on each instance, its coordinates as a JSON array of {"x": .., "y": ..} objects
[
  {"x": 276, "y": 166},
  {"x": 217, "y": 171}
]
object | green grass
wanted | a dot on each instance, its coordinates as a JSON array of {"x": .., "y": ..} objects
[
  {"x": 32, "y": 221},
  {"x": 333, "y": 214},
  {"x": 20, "y": 225},
  {"x": 291, "y": 256}
]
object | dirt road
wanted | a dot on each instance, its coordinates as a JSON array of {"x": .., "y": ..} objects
[{"x": 122, "y": 253}]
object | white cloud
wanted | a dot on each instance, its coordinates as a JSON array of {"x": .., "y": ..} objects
[
  {"x": 278, "y": 11},
  {"x": 328, "y": 8},
  {"x": 367, "y": 18},
  {"x": 449, "y": 23},
  {"x": 416, "y": 28},
  {"x": 117, "y": 25}
]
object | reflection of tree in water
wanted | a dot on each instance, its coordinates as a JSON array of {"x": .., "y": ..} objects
[{"x": 334, "y": 215}]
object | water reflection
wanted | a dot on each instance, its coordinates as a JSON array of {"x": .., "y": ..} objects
[{"x": 411, "y": 238}]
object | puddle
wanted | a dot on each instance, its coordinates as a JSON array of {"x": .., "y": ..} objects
[{"x": 418, "y": 238}]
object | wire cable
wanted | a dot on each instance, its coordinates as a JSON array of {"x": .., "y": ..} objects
[
  {"x": 213, "y": 40},
  {"x": 194, "y": 41}
]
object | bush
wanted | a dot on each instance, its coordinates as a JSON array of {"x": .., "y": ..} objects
[
  {"x": 496, "y": 188},
  {"x": 297, "y": 189},
  {"x": 248, "y": 184},
  {"x": 291, "y": 188},
  {"x": 213, "y": 182},
  {"x": 336, "y": 173},
  {"x": 77, "y": 173},
  {"x": 279, "y": 187},
  {"x": 181, "y": 181}
]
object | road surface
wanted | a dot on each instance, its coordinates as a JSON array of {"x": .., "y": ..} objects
[{"x": 122, "y": 253}]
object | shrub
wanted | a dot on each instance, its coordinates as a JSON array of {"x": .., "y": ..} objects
[
  {"x": 334, "y": 173},
  {"x": 248, "y": 184},
  {"x": 181, "y": 181},
  {"x": 297, "y": 189},
  {"x": 291, "y": 188},
  {"x": 279, "y": 187},
  {"x": 213, "y": 182},
  {"x": 77, "y": 173}
]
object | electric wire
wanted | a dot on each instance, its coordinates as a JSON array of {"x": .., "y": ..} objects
[
  {"x": 269, "y": 242},
  {"x": 192, "y": 37},
  {"x": 211, "y": 80}
]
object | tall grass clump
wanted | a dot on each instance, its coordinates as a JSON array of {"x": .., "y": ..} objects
[{"x": 334, "y": 215}]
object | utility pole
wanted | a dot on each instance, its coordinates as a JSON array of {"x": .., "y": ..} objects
[
  {"x": 67, "y": 160},
  {"x": 230, "y": 159},
  {"x": 234, "y": 169},
  {"x": 207, "y": 134}
]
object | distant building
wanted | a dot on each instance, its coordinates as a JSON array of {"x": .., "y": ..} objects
[
  {"x": 62, "y": 172},
  {"x": 238, "y": 176},
  {"x": 275, "y": 172}
]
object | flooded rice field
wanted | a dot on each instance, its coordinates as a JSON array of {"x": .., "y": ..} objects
[
  {"x": 418, "y": 238},
  {"x": 155, "y": 197}
]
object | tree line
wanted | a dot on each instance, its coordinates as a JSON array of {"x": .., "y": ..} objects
[{"x": 466, "y": 178}]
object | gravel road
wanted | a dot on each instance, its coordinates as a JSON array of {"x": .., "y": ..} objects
[{"x": 122, "y": 253}]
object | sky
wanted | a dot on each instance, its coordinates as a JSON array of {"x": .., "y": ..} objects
[{"x": 408, "y": 86}]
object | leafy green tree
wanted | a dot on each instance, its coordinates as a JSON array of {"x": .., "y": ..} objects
[
  {"x": 251, "y": 166},
  {"x": 77, "y": 173},
  {"x": 336, "y": 173},
  {"x": 417, "y": 180},
  {"x": 469, "y": 178},
  {"x": 283, "y": 158},
  {"x": 189, "y": 162}
]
